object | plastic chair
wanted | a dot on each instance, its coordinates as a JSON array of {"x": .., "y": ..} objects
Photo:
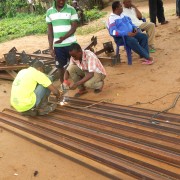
[{"x": 128, "y": 50}]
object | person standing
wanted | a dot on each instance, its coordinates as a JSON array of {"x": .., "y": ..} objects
[
  {"x": 62, "y": 20},
  {"x": 178, "y": 8},
  {"x": 133, "y": 12},
  {"x": 156, "y": 9},
  {"x": 79, "y": 11}
]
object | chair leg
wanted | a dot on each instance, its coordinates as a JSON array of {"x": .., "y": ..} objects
[
  {"x": 129, "y": 55},
  {"x": 118, "y": 60}
]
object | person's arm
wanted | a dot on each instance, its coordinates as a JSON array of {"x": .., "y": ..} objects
[
  {"x": 54, "y": 90},
  {"x": 138, "y": 13},
  {"x": 131, "y": 34},
  {"x": 74, "y": 26},
  {"x": 135, "y": 29},
  {"x": 50, "y": 39},
  {"x": 117, "y": 29},
  {"x": 80, "y": 9},
  {"x": 88, "y": 76}
]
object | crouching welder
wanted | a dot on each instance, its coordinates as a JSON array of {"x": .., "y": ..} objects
[{"x": 31, "y": 89}]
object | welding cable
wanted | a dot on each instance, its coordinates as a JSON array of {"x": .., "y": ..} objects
[
  {"x": 151, "y": 102},
  {"x": 167, "y": 109},
  {"x": 84, "y": 107}
]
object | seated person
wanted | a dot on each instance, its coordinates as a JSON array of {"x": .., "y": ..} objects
[
  {"x": 79, "y": 11},
  {"x": 85, "y": 70},
  {"x": 30, "y": 91},
  {"x": 131, "y": 11},
  {"x": 120, "y": 25}
]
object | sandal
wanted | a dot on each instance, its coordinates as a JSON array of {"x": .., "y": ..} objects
[
  {"x": 80, "y": 92},
  {"x": 152, "y": 50},
  {"x": 147, "y": 62},
  {"x": 97, "y": 90}
]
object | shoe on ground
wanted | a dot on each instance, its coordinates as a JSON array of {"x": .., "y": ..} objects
[
  {"x": 31, "y": 112},
  {"x": 165, "y": 22},
  {"x": 100, "y": 89},
  {"x": 97, "y": 91},
  {"x": 152, "y": 49},
  {"x": 80, "y": 93},
  {"x": 47, "y": 109}
]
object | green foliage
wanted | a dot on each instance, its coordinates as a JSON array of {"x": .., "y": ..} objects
[
  {"x": 22, "y": 25},
  {"x": 9, "y": 8},
  {"x": 93, "y": 14}
]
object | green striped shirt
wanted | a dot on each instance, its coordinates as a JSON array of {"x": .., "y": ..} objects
[{"x": 61, "y": 22}]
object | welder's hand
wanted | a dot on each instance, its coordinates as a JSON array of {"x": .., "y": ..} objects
[
  {"x": 135, "y": 30},
  {"x": 66, "y": 83},
  {"x": 61, "y": 39},
  {"x": 131, "y": 34},
  {"x": 73, "y": 86}
]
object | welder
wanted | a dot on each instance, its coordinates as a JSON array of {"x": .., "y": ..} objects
[{"x": 30, "y": 91}]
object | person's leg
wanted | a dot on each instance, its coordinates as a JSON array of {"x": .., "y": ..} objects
[
  {"x": 61, "y": 60},
  {"x": 143, "y": 41},
  {"x": 153, "y": 10},
  {"x": 178, "y": 8},
  {"x": 42, "y": 105},
  {"x": 150, "y": 30},
  {"x": 139, "y": 44},
  {"x": 160, "y": 12},
  {"x": 61, "y": 74},
  {"x": 42, "y": 95},
  {"x": 76, "y": 74},
  {"x": 96, "y": 82}
]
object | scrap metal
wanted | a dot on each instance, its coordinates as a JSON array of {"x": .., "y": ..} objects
[{"x": 15, "y": 60}]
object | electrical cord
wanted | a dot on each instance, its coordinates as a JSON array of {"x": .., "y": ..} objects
[
  {"x": 167, "y": 109},
  {"x": 84, "y": 107},
  {"x": 160, "y": 112},
  {"x": 151, "y": 102}
]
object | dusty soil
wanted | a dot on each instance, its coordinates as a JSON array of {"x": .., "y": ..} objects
[{"x": 125, "y": 85}]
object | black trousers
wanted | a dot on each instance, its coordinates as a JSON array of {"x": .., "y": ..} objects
[
  {"x": 178, "y": 7},
  {"x": 156, "y": 9}
]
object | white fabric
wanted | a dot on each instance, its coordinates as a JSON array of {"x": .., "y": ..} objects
[
  {"x": 113, "y": 17},
  {"x": 131, "y": 12},
  {"x": 70, "y": 39}
]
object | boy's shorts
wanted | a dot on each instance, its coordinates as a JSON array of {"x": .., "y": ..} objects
[{"x": 62, "y": 56}]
